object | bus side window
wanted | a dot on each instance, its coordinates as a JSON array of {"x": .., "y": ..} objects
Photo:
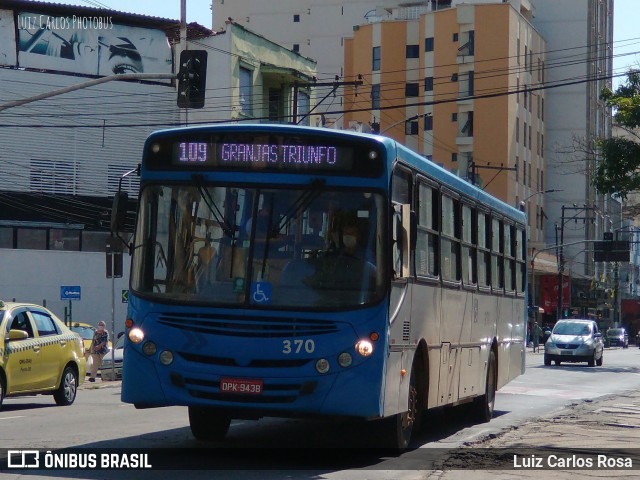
[
  {"x": 450, "y": 240},
  {"x": 484, "y": 255},
  {"x": 427, "y": 252},
  {"x": 469, "y": 241}
]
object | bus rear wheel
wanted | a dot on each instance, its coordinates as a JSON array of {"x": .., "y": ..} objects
[{"x": 208, "y": 424}]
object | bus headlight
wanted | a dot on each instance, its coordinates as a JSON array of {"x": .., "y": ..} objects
[
  {"x": 136, "y": 335},
  {"x": 149, "y": 348},
  {"x": 345, "y": 359},
  {"x": 322, "y": 365},
  {"x": 364, "y": 348},
  {"x": 166, "y": 357}
]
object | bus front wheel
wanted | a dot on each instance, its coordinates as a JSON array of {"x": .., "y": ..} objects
[
  {"x": 208, "y": 424},
  {"x": 484, "y": 405},
  {"x": 400, "y": 427}
]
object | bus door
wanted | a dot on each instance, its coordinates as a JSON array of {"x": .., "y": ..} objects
[{"x": 401, "y": 349}]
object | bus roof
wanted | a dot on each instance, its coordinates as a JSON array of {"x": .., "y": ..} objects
[{"x": 395, "y": 149}]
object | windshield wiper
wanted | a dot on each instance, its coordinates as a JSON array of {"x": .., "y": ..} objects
[
  {"x": 301, "y": 203},
  {"x": 218, "y": 216}
]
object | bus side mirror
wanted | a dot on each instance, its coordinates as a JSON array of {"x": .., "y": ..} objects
[{"x": 119, "y": 211}]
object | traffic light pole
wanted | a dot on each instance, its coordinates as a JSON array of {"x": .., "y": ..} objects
[{"x": 90, "y": 83}]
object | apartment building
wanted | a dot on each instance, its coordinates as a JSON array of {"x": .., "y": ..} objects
[
  {"x": 579, "y": 35},
  {"x": 461, "y": 86}
]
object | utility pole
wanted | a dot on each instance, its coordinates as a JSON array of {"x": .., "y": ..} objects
[
  {"x": 584, "y": 218},
  {"x": 335, "y": 86}
]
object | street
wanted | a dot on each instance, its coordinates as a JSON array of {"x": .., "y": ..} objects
[{"x": 99, "y": 420}]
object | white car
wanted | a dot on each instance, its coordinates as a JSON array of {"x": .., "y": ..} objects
[
  {"x": 110, "y": 370},
  {"x": 575, "y": 340}
]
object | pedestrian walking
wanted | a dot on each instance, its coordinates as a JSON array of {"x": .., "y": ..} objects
[
  {"x": 536, "y": 333},
  {"x": 99, "y": 348}
]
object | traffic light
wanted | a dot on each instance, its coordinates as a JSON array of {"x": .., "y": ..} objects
[{"x": 192, "y": 78}]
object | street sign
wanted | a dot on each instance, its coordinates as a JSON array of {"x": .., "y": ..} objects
[
  {"x": 611, "y": 251},
  {"x": 70, "y": 292}
]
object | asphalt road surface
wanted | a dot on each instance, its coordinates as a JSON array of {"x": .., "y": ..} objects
[{"x": 275, "y": 448}]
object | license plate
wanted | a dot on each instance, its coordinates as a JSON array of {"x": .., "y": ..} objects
[
  {"x": 566, "y": 352},
  {"x": 241, "y": 385}
]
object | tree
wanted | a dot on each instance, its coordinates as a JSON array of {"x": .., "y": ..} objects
[{"x": 618, "y": 164}]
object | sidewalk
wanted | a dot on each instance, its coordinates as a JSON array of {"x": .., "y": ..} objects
[
  {"x": 608, "y": 426},
  {"x": 99, "y": 383}
]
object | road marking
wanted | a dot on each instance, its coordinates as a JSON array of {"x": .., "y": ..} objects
[
  {"x": 548, "y": 392},
  {"x": 9, "y": 418}
]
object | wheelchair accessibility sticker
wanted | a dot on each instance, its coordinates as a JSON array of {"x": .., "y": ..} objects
[{"x": 261, "y": 293}]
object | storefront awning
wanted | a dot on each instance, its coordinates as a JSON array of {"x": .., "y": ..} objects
[{"x": 544, "y": 266}]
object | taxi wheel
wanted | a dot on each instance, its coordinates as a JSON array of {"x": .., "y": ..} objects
[
  {"x": 1, "y": 389},
  {"x": 66, "y": 393}
]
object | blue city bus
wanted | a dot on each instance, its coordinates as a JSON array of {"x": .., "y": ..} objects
[{"x": 291, "y": 271}]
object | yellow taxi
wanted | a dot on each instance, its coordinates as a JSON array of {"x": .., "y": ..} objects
[{"x": 38, "y": 354}]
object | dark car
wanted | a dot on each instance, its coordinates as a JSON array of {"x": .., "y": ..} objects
[{"x": 617, "y": 337}]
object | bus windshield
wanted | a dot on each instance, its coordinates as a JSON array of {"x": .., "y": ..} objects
[{"x": 260, "y": 247}]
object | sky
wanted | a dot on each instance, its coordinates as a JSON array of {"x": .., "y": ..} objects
[{"x": 625, "y": 30}]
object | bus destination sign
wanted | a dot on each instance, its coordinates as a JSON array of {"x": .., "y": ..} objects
[{"x": 280, "y": 157}]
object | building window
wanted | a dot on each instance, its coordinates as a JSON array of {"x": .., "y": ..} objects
[
  {"x": 471, "y": 83},
  {"x": 412, "y": 90},
  {"x": 52, "y": 177},
  {"x": 454, "y": 77},
  {"x": 428, "y": 84},
  {"x": 296, "y": 47},
  {"x": 32, "y": 239},
  {"x": 413, "y": 51},
  {"x": 303, "y": 109},
  {"x": 455, "y": 37},
  {"x": 296, "y": 18},
  {"x": 375, "y": 61},
  {"x": 428, "y": 122},
  {"x": 411, "y": 128},
  {"x": 246, "y": 91},
  {"x": 454, "y": 157},
  {"x": 468, "y": 48},
  {"x": 525, "y": 134},
  {"x": 375, "y": 96},
  {"x": 428, "y": 44},
  {"x": 517, "y": 166},
  {"x": 276, "y": 105},
  {"x": 6, "y": 237},
  {"x": 60, "y": 239},
  {"x": 94, "y": 241},
  {"x": 467, "y": 129},
  {"x": 454, "y": 117}
]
